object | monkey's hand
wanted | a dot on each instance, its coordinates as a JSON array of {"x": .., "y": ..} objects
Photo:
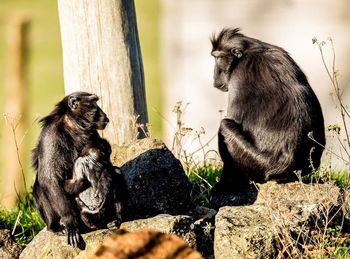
[
  {"x": 75, "y": 187},
  {"x": 74, "y": 238}
]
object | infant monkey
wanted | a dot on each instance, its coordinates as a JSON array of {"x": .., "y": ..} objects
[{"x": 98, "y": 185}]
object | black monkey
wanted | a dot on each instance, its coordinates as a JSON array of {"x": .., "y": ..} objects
[
  {"x": 272, "y": 112},
  {"x": 65, "y": 131},
  {"x": 101, "y": 203}
]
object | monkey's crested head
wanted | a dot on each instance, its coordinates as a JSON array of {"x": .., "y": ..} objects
[
  {"x": 254, "y": 62},
  {"x": 226, "y": 35},
  {"x": 229, "y": 43}
]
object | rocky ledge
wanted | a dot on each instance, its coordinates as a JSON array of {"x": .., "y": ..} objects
[{"x": 265, "y": 221}]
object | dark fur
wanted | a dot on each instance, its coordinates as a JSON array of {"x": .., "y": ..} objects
[
  {"x": 102, "y": 202},
  {"x": 271, "y": 110},
  {"x": 65, "y": 131}
]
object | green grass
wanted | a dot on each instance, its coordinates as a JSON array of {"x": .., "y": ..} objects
[
  {"x": 24, "y": 220},
  {"x": 337, "y": 242},
  {"x": 341, "y": 178},
  {"x": 205, "y": 177},
  {"x": 324, "y": 175},
  {"x": 202, "y": 180}
]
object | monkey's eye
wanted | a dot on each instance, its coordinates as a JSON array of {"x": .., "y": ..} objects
[
  {"x": 223, "y": 62},
  {"x": 91, "y": 105},
  {"x": 236, "y": 52}
]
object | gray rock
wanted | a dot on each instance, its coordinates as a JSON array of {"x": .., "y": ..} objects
[
  {"x": 156, "y": 182},
  {"x": 50, "y": 245},
  {"x": 243, "y": 232},
  {"x": 202, "y": 214},
  {"x": 302, "y": 202},
  {"x": 197, "y": 230},
  {"x": 47, "y": 244},
  {"x": 279, "y": 213},
  {"x": 9, "y": 249},
  {"x": 122, "y": 154},
  {"x": 244, "y": 197},
  {"x": 203, "y": 225}
]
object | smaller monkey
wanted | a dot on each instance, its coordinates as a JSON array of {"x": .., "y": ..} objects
[{"x": 100, "y": 202}]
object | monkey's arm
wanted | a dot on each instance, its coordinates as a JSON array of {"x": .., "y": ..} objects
[
  {"x": 52, "y": 180},
  {"x": 259, "y": 166},
  {"x": 62, "y": 204},
  {"x": 79, "y": 182},
  {"x": 74, "y": 187},
  {"x": 243, "y": 152}
]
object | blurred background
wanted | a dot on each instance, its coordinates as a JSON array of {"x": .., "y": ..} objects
[{"x": 174, "y": 37}]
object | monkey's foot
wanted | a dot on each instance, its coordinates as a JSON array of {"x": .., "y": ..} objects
[
  {"x": 75, "y": 239},
  {"x": 113, "y": 225}
]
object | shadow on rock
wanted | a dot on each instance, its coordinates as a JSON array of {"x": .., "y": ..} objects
[{"x": 244, "y": 197}]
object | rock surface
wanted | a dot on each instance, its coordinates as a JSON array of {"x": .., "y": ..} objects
[
  {"x": 279, "y": 212},
  {"x": 47, "y": 244},
  {"x": 254, "y": 223},
  {"x": 243, "y": 232},
  {"x": 50, "y": 245},
  {"x": 196, "y": 229},
  {"x": 245, "y": 197},
  {"x": 122, "y": 154},
  {"x": 155, "y": 179},
  {"x": 8, "y": 248}
]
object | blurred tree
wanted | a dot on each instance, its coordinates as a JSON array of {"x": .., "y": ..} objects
[
  {"x": 101, "y": 55},
  {"x": 15, "y": 110}
]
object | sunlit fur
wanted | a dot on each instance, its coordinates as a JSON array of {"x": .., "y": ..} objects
[{"x": 65, "y": 131}]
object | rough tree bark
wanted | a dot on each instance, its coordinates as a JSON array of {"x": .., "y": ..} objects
[{"x": 101, "y": 55}]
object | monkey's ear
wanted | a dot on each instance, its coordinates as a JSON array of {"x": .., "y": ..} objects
[
  {"x": 73, "y": 102},
  {"x": 237, "y": 52}
]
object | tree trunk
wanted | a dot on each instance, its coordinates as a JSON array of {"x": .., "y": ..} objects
[
  {"x": 101, "y": 55},
  {"x": 14, "y": 144}
]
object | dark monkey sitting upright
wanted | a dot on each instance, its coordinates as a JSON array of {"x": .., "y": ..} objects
[
  {"x": 71, "y": 126},
  {"x": 272, "y": 112}
]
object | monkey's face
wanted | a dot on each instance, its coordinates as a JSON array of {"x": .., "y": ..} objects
[
  {"x": 101, "y": 119},
  {"x": 222, "y": 70},
  {"x": 86, "y": 112},
  {"x": 227, "y": 51}
]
